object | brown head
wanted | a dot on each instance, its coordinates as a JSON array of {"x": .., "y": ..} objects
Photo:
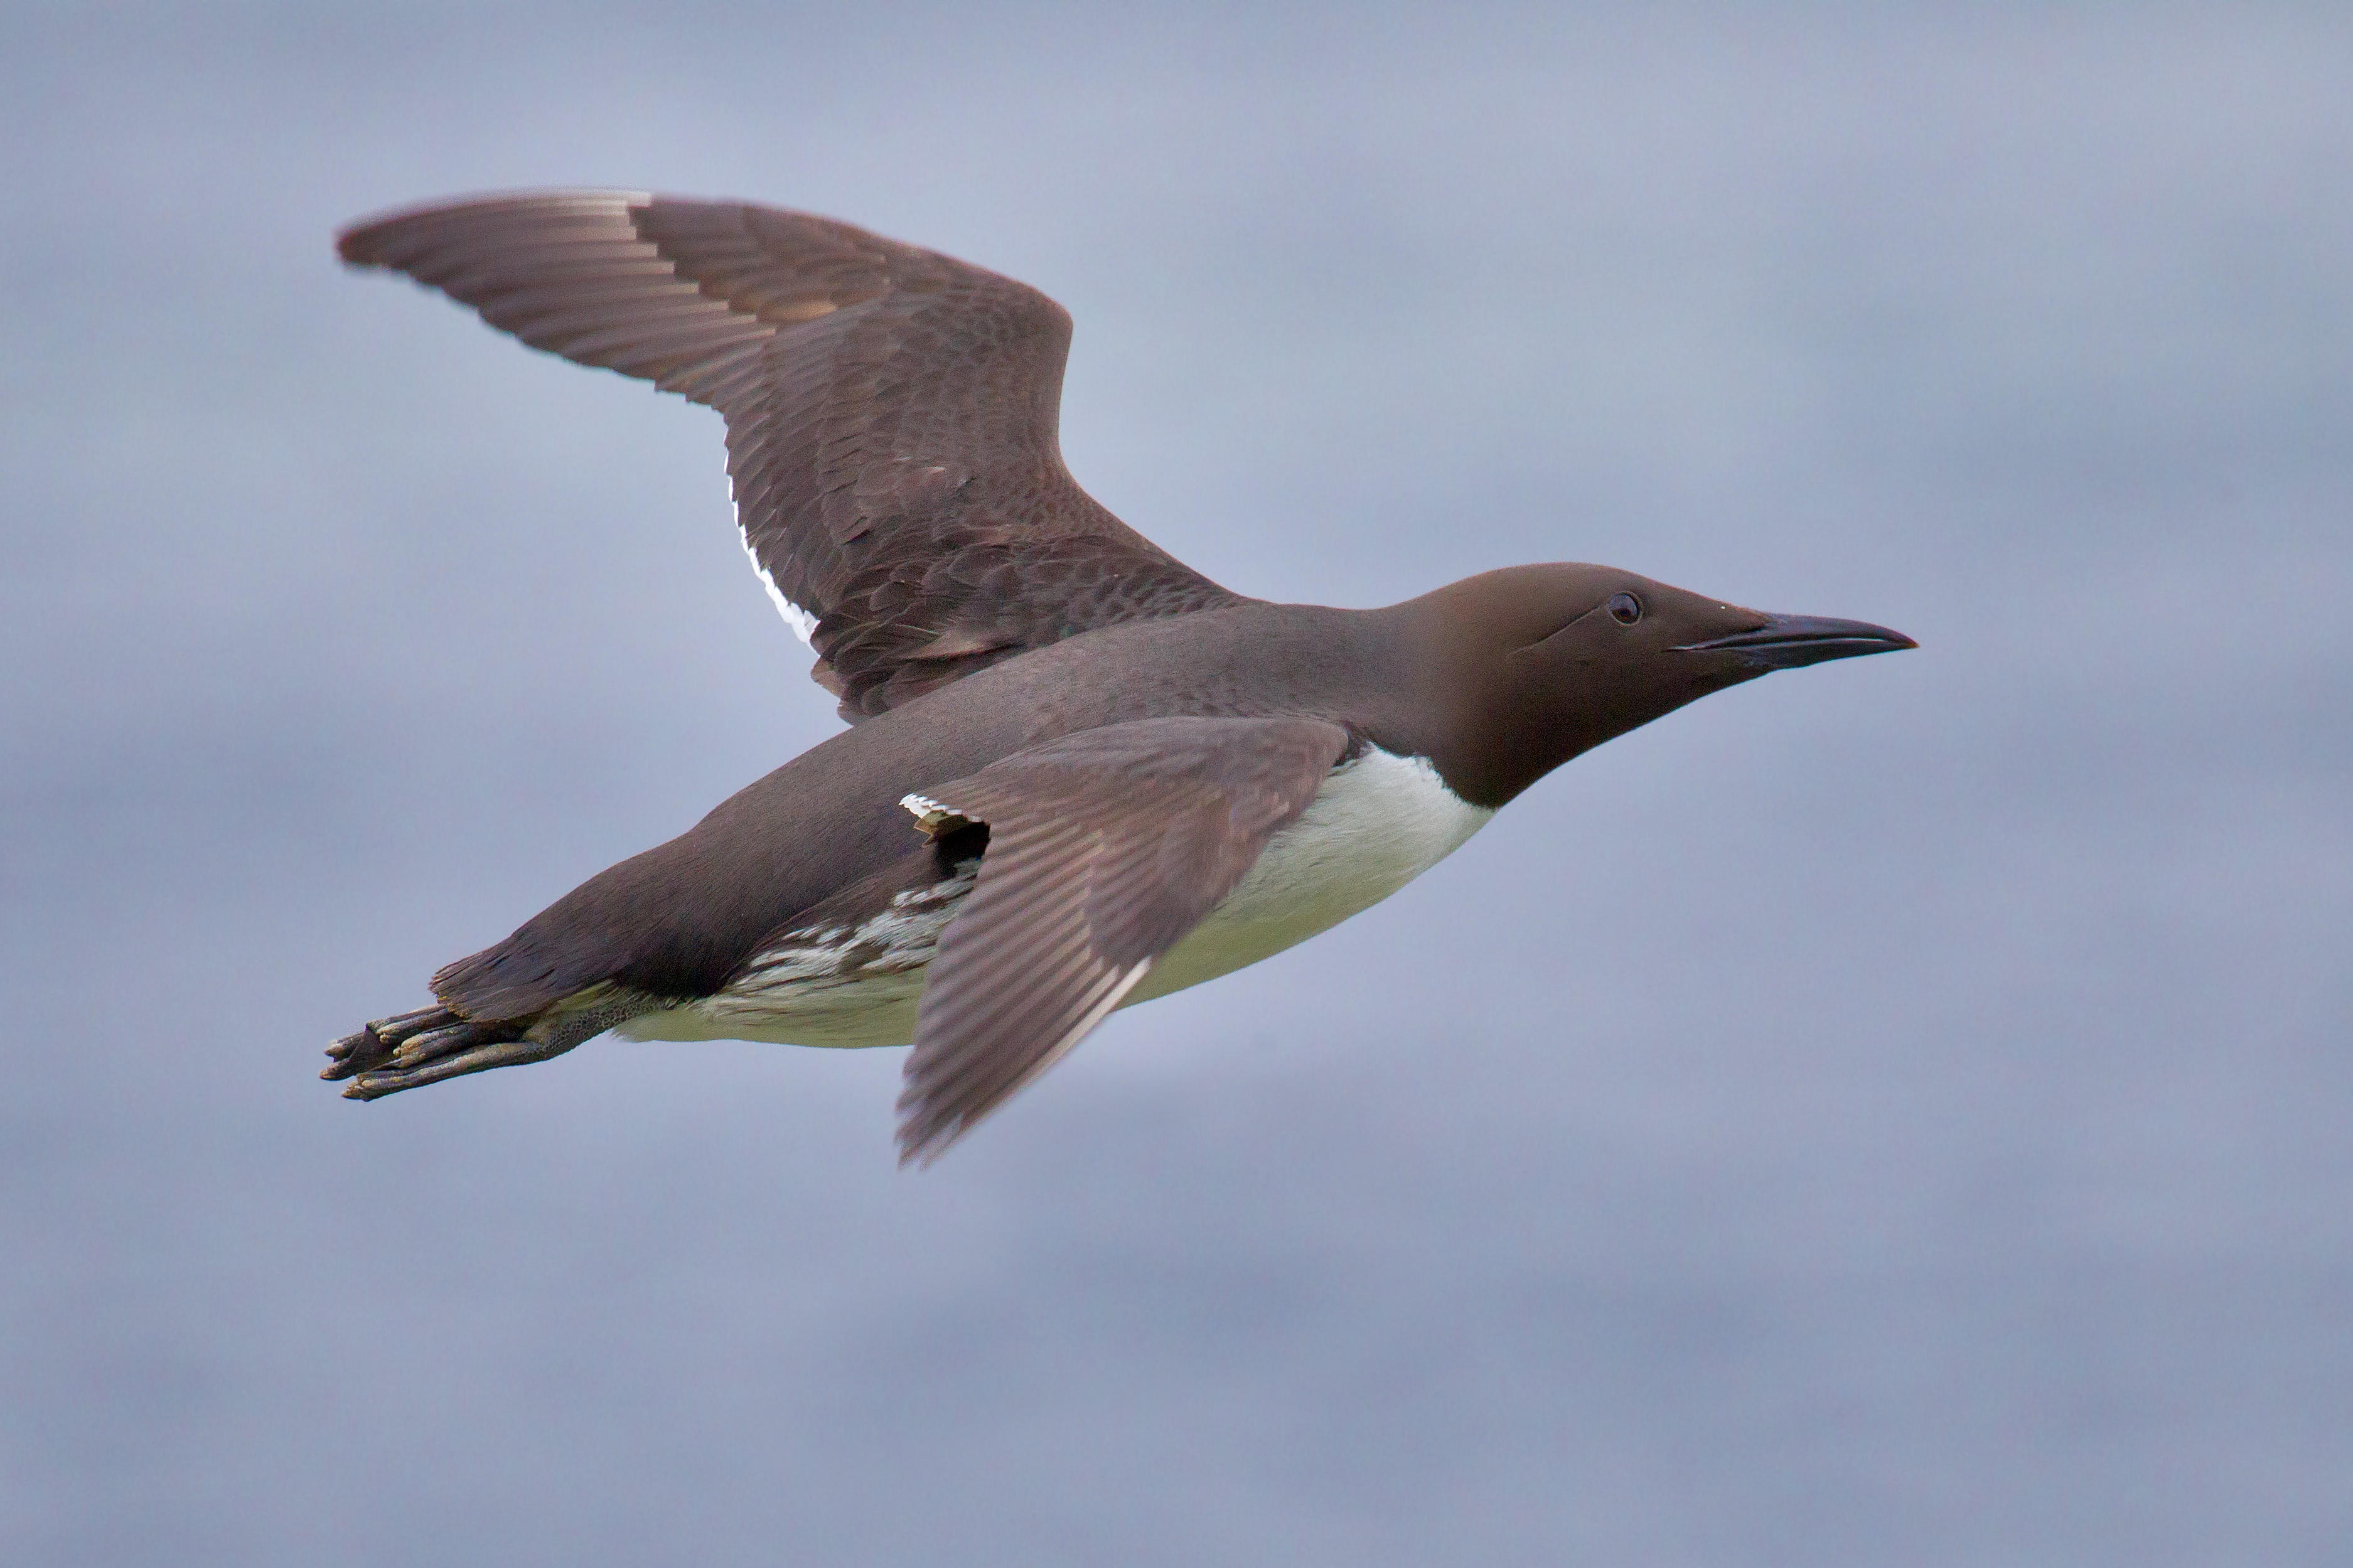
[{"x": 1531, "y": 665}]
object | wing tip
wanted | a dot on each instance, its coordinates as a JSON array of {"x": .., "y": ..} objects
[
  {"x": 927, "y": 1130},
  {"x": 361, "y": 242}
]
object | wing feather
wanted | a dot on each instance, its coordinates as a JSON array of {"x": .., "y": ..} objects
[
  {"x": 893, "y": 414},
  {"x": 1105, "y": 849}
]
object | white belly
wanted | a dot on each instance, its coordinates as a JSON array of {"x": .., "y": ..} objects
[{"x": 1378, "y": 823}]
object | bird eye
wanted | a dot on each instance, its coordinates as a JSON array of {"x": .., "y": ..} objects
[{"x": 1625, "y": 608}]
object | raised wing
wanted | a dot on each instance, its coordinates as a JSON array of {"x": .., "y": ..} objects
[
  {"x": 891, "y": 415},
  {"x": 1105, "y": 848}
]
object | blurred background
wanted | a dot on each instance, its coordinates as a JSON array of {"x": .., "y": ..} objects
[{"x": 1897, "y": 1112}]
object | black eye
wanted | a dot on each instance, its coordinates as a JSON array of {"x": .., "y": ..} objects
[{"x": 1625, "y": 608}]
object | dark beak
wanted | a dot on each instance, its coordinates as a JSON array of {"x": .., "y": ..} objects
[{"x": 1786, "y": 642}]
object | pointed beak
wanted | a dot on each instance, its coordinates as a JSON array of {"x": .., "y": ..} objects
[{"x": 1786, "y": 642}]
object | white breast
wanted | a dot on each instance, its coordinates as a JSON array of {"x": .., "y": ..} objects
[{"x": 1378, "y": 823}]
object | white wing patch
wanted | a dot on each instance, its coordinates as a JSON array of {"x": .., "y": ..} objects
[{"x": 804, "y": 624}]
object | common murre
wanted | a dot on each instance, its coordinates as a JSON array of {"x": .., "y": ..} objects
[{"x": 1080, "y": 775}]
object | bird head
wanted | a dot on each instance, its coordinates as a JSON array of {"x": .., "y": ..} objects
[{"x": 1543, "y": 662}]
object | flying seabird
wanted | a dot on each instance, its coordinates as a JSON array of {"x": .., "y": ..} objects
[{"x": 1079, "y": 774}]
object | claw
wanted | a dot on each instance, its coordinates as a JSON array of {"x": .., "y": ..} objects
[
  {"x": 379, "y": 1043},
  {"x": 492, "y": 1054},
  {"x": 401, "y": 1026},
  {"x": 433, "y": 1044},
  {"x": 357, "y": 1053}
]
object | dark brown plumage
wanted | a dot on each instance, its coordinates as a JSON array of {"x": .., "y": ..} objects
[
  {"x": 1124, "y": 776},
  {"x": 893, "y": 414}
]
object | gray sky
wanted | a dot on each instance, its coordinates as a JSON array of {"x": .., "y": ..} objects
[{"x": 1897, "y": 1112}]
